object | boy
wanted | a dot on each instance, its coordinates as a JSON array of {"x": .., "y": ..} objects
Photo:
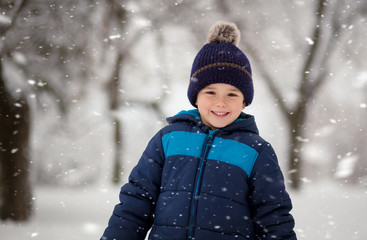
[{"x": 208, "y": 174}]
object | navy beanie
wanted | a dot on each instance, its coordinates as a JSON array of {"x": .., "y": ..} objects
[{"x": 221, "y": 61}]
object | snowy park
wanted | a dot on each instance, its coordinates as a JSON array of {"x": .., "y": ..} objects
[
  {"x": 84, "y": 86},
  {"x": 322, "y": 211}
]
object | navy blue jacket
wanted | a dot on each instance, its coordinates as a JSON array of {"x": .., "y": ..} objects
[{"x": 195, "y": 183}]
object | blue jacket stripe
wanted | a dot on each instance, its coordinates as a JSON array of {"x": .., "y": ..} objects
[
  {"x": 183, "y": 143},
  {"x": 224, "y": 150},
  {"x": 235, "y": 153}
]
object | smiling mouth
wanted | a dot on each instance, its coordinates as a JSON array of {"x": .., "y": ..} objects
[{"x": 220, "y": 114}]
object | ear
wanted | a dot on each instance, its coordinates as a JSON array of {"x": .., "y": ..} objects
[{"x": 243, "y": 105}]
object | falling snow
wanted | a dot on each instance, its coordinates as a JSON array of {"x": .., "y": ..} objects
[
  {"x": 71, "y": 153},
  {"x": 327, "y": 210},
  {"x": 310, "y": 41}
]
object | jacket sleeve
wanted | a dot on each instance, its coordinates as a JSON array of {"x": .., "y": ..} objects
[
  {"x": 133, "y": 216},
  {"x": 269, "y": 201}
]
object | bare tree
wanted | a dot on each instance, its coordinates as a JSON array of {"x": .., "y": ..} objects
[
  {"x": 326, "y": 35},
  {"x": 40, "y": 47},
  {"x": 116, "y": 22},
  {"x": 15, "y": 192}
]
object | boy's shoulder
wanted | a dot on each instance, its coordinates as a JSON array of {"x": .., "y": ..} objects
[
  {"x": 186, "y": 120},
  {"x": 245, "y": 130},
  {"x": 185, "y": 115},
  {"x": 248, "y": 137}
]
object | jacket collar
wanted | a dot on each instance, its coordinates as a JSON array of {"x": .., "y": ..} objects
[{"x": 245, "y": 122}]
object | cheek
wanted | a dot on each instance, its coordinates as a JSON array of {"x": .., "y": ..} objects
[
  {"x": 202, "y": 102},
  {"x": 203, "y": 107}
]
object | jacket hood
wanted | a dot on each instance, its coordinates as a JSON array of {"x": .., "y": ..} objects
[{"x": 245, "y": 122}]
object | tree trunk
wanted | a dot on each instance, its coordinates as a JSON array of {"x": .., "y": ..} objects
[
  {"x": 113, "y": 89},
  {"x": 117, "y": 166},
  {"x": 296, "y": 121},
  {"x": 295, "y": 158},
  {"x": 15, "y": 189}
]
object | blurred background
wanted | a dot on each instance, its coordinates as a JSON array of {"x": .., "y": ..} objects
[{"x": 85, "y": 84}]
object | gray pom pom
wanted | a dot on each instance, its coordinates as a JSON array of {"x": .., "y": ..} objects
[{"x": 224, "y": 32}]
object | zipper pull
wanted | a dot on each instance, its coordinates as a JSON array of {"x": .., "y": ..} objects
[
  {"x": 210, "y": 136},
  {"x": 211, "y": 133}
]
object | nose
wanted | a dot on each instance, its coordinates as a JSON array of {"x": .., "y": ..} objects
[{"x": 220, "y": 102}]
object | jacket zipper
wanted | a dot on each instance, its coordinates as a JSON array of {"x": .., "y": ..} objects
[{"x": 207, "y": 145}]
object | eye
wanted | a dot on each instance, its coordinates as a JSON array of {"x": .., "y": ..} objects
[
  {"x": 210, "y": 92},
  {"x": 232, "y": 94}
]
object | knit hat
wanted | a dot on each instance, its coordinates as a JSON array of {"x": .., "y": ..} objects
[{"x": 221, "y": 61}]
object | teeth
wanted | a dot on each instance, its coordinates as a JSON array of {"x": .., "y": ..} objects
[{"x": 220, "y": 113}]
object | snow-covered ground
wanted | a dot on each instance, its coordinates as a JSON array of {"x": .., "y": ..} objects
[
  {"x": 330, "y": 211},
  {"x": 322, "y": 211}
]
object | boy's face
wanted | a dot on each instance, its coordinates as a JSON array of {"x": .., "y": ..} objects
[{"x": 220, "y": 104}]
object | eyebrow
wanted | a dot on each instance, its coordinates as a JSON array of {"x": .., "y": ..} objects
[{"x": 234, "y": 89}]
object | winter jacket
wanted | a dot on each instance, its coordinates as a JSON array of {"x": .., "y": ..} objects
[{"x": 195, "y": 183}]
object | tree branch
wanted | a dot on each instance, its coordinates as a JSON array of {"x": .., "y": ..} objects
[
  {"x": 306, "y": 83},
  {"x": 18, "y": 8},
  {"x": 267, "y": 78}
]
